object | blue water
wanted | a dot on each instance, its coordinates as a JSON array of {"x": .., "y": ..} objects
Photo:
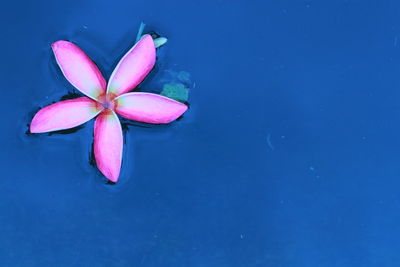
[{"x": 288, "y": 156}]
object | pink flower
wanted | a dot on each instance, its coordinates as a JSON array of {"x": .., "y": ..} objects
[{"x": 106, "y": 100}]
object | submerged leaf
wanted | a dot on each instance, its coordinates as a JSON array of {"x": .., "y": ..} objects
[
  {"x": 184, "y": 76},
  {"x": 176, "y": 91}
]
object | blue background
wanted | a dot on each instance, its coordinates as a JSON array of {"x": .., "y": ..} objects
[{"x": 288, "y": 156}]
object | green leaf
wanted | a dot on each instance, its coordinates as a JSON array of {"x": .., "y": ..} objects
[
  {"x": 160, "y": 41},
  {"x": 176, "y": 91},
  {"x": 140, "y": 31}
]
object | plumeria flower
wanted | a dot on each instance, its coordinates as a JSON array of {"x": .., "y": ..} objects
[{"x": 106, "y": 100}]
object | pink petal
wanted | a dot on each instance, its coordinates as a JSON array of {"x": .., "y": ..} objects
[
  {"x": 108, "y": 142},
  {"x": 79, "y": 69},
  {"x": 133, "y": 67},
  {"x": 149, "y": 108},
  {"x": 64, "y": 115}
]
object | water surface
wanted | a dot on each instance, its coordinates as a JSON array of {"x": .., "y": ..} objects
[{"x": 288, "y": 155}]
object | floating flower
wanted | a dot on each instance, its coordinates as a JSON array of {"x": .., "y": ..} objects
[{"x": 106, "y": 100}]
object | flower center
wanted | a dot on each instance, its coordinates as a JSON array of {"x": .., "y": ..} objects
[
  {"x": 107, "y": 101},
  {"x": 108, "y": 104}
]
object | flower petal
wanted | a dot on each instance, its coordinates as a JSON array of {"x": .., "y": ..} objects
[
  {"x": 108, "y": 143},
  {"x": 149, "y": 108},
  {"x": 133, "y": 67},
  {"x": 79, "y": 69},
  {"x": 64, "y": 115}
]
